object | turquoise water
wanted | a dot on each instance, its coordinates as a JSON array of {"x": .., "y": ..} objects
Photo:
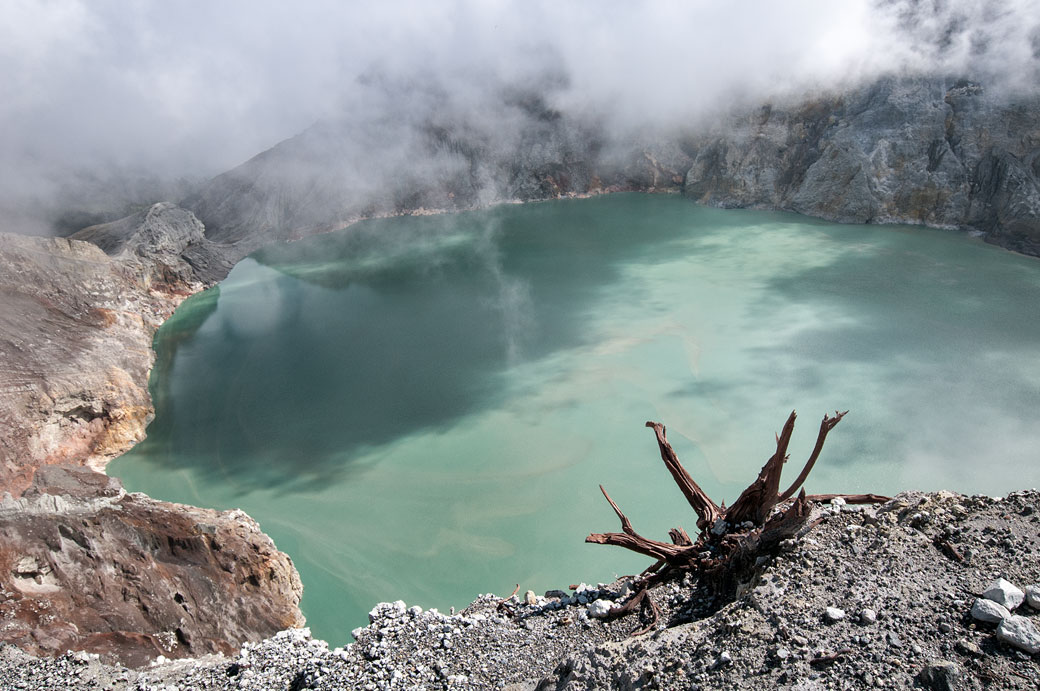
[{"x": 422, "y": 408}]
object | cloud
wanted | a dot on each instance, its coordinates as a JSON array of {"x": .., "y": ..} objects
[{"x": 194, "y": 88}]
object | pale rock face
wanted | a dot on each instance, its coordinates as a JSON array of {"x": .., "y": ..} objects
[
  {"x": 917, "y": 150},
  {"x": 1004, "y": 593},
  {"x": 1033, "y": 595},
  {"x": 989, "y": 611},
  {"x": 1021, "y": 633}
]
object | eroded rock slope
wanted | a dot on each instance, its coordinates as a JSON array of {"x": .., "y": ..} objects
[{"x": 83, "y": 565}]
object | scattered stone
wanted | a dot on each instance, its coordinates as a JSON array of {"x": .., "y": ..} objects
[
  {"x": 941, "y": 675},
  {"x": 1021, "y": 633},
  {"x": 779, "y": 632},
  {"x": 968, "y": 648},
  {"x": 1033, "y": 596},
  {"x": 600, "y": 608},
  {"x": 1004, "y": 593},
  {"x": 530, "y": 598},
  {"x": 833, "y": 614},
  {"x": 989, "y": 611}
]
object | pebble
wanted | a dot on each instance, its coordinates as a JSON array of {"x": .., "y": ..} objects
[
  {"x": 868, "y": 616},
  {"x": 968, "y": 648},
  {"x": 833, "y": 614},
  {"x": 1021, "y": 633},
  {"x": 600, "y": 608},
  {"x": 989, "y": 611},
  {"x": 1004, "y": 593},
  {"x": 530, "y": 598}
]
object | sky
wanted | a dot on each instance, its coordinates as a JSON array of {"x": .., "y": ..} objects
[{"x": 192, "y": 88}]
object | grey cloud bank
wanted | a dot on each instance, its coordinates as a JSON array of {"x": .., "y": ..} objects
[{"x": 108, "y": 102}]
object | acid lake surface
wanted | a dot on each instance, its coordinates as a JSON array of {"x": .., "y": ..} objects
[{"x": 422, "y": 408}]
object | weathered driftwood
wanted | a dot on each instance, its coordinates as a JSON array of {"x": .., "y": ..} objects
[{"x": 731, "y": 539}]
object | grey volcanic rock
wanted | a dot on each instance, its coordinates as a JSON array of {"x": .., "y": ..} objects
[
  {"x": 939, "y": 152},
  {"x": 164, "y": 246},
  {"x": 75, "y": 349},
  {"x": 82, "y": 565},
  {"x": 86, "y": 566},
  {"x": 771, "y": 637},
  {"x": 76, "y": 328},
  {"x": 434, "y": 156}
]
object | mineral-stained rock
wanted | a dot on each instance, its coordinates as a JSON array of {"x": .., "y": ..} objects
[
  {"x": 83, "y": 565},
  {"x": 86, "y": 566},
  {"x": 76, "y": 329}
]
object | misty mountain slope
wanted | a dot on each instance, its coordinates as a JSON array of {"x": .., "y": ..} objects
[
  {"x": 933, "y": 151},
  {"x": 438, "y": 154}
]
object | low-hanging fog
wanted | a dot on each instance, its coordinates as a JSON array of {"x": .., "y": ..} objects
[{"x": 107, "y": 103}]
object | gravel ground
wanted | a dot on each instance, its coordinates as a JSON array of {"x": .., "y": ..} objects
[{"x": 899, "y": 617}]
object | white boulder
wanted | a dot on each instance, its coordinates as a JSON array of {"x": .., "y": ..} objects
[
  {"x": 1021, "y": 633},
  {"x": 600, "y": 608},
  {"x": 1004, "y": 593},
  {"x": 1033, "y": 595},
  {"x": 989, "y": 611},
  {"x": 833, "y": 614}
]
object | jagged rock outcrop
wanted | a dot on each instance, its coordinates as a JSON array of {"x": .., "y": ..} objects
[
  {"x": 939, "y": 152},
  {"x": 337, "y": 172},
  {"x": 86, "y": 566},
  {"x": 83, "y": 565},
  {"x": 943, "y": 152},
  {"x": 76, "y": 329},
  {"x": 163, "y": 247}
]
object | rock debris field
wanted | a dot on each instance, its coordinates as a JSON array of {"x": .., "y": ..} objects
[{"x": 933, "y": 591}]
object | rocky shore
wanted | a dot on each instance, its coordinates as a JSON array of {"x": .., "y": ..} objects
[
  {"x": 864, "y": 600},
  {"x": 84, "y": 565}
]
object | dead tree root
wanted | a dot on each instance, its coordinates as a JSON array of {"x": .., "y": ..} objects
[{"x": 732, "y": 539}]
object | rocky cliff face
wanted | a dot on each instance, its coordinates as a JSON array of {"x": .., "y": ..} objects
[
  {"x": 77, "y": 325},
  {"x": 82, "y": 564},
  {"x": 937, "y": 152},
  {"x": 336, "y": 173},
  {"x": 86, "y": 566}
]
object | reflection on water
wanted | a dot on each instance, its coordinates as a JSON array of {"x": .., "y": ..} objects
[{"x": 422, "y": 407}]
